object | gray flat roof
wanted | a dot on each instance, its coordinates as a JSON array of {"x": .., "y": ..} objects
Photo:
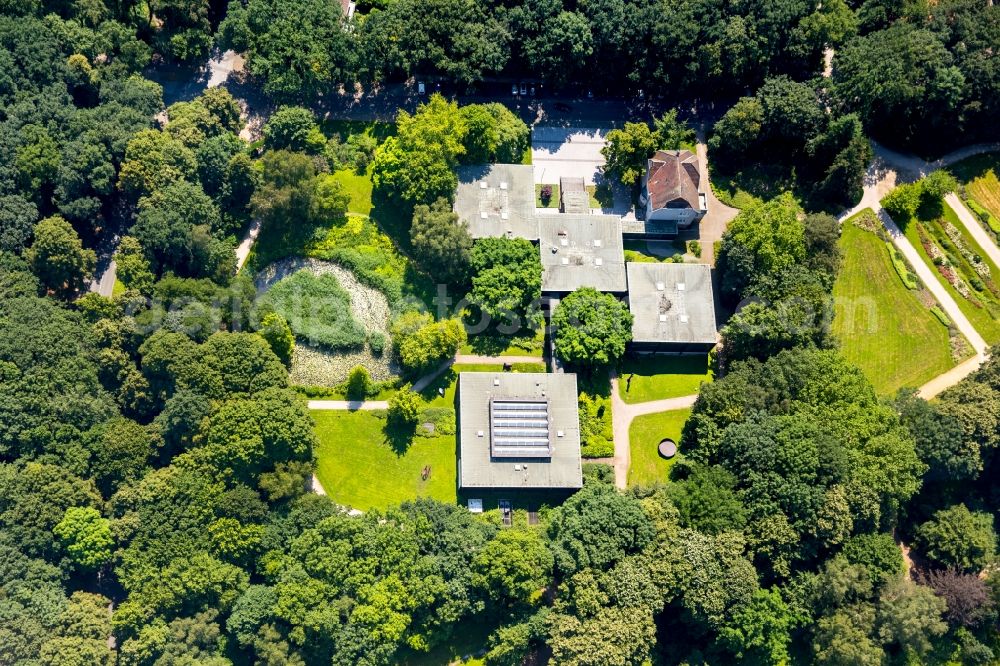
[
  {"x": 479, "y": 466},
  {"x": 581, "y": 251},
  {"x": 671, "y": 302},
  {"x": 497, "y": 200}
]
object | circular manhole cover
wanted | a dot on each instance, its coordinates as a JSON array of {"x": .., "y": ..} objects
[{"x": 668, "y": 448}]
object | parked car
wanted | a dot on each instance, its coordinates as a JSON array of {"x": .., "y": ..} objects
[
  {"x": 420, "y": 88},
  {"x": 524, "y": 89},
  {"x": 513, "y": 90}
]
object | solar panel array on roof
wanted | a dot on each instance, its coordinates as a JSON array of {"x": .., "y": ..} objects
[{"x": 519, "y": 429}]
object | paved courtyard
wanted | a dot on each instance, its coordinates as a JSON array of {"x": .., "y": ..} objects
[{"x": 559, "y": 152}]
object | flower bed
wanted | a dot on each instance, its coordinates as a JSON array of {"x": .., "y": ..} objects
[{"x": 315, "y": 366}]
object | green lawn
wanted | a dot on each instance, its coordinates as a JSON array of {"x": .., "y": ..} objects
[
  {"x": 981, "y": 317},
  {"x": 644, "y": 436},
  {"x": 883, "y": 327},
  {"x": 359, "y": 467},
  {"x": 117, "y": 289},
  {"x": 656, "y": 377},
  {"x": 553, "y": 200},
  {"x": 358, "y": 187}
]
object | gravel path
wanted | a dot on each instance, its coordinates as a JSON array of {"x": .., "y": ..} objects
[{"x": 314, "y": 366}]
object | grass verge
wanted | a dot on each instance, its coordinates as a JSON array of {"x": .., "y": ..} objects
[
  {"x": 359, "y": 466},
  {"x": 652, "y": 378},
  {"x": 883, "y": 327},
  {"x": 644, "y": 436}
]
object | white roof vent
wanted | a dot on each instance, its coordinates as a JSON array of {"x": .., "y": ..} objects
[
  {"x": 484, "y": 215},
  {"x": 663, "y": 317},
  {"x": 684, "y": 319},
  {"x": 480, "y": 433},
  {"x": 560, "y": 433},
  {"x": 597, "y": 242},
  {"x": 680, "y": 286},
  {"x": 496, "y": 381},
  {"x": 565, "y": 261},
  {"x": 517, "y": 468},
  {"x": 503, "y": 186},
  {"x": 564, "y": 242},
  {"x": 504, "y": 215},
  {"x": 482, "y": 185},
  {"x": 660, "y": 286},
  {"x": 598, "y": 261}
]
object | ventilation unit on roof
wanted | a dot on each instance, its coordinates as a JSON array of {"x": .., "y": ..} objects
[
  {"x": 680, "y": 286},
  {"x": 503, "y": 186},
  {"x": 660, "y": 286},
  {"x": 482, "y": 185},
  {"x": 504, "y": 215},
  {"x": 598, "y": 261},
  {"x": 684, "y": 319},
  {"x": 597, "y": 242},
  {"x": 663, "y": 317},
  {"x": 484, "y": 215},
  {"x": 565, "y": 261}
]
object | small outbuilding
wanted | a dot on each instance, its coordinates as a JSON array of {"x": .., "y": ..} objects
[
  {"x": 518, "y": 430},
  {"x": 672, "y": 306}
]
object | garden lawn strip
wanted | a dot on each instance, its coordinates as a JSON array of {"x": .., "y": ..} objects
[
  {"x": 658, "y": 377},
  {"x": 644, "y": 436},
  {"x": 358, "y": 466},
  {"x": 980, "y": 317},
  {"x": 883, "y": 327}
]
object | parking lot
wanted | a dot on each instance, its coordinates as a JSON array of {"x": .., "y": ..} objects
[{"x": 561, "y": 152}]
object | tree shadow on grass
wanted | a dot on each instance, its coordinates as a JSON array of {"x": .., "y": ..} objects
[{"x": 399, "y": 436}]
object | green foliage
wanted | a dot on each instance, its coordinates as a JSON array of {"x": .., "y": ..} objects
[
  {"x": 153, "y": 160},
  {"x": 404, "y": 408},
  {"x": 441, "y": 242},
  {"x": 592, "y": 328},
  {"x": 58, "y": 257},
  {"x": 959, "y": 538},
  {"x": 513, "y": 567},
  {"x": 494, "y": 134},
  {"x": 421, "y": 343},
  {"x": 878, "y": 553},
  {"x": 317, "y": 309},
  {"x": 132, "y": 267},
  {"x": 595, "y": 528},
  {"x": 359, "y": 383},
  {"x": 596, "y": 436},
  {"x": 627, "y": 150},
  {"x": 296, "y": 48},
  {"x": 759, "y": 243},
  {"x": 416, "y": 166},
  {"x": 278, "y": 335},
  {"x": 760, "y": 632},
  {"x": 290, "y": 128},
  {"x": 507, "y": 278},
  {"x": 86, "y": 537}
]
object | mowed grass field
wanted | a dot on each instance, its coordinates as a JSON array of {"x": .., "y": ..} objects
[
  {"x": 883, "y": 327},
  {"x": 644, "y": 437},
  {"x": 359, "y": 467},
  {"x": 652, "y": 378}
]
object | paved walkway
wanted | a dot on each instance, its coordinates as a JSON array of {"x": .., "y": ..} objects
[
  {"x": 622, "y": 415},
  {"x": 476, "y": 359},
  {"x": 976, "y": 230},
  {"x": 348, "y": 405},
  {"x": 888, "y": 167},
  {"x": 243, "y": 250}
]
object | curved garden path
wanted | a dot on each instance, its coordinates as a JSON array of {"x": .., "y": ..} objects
[{"x": 888, "y": 167}]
